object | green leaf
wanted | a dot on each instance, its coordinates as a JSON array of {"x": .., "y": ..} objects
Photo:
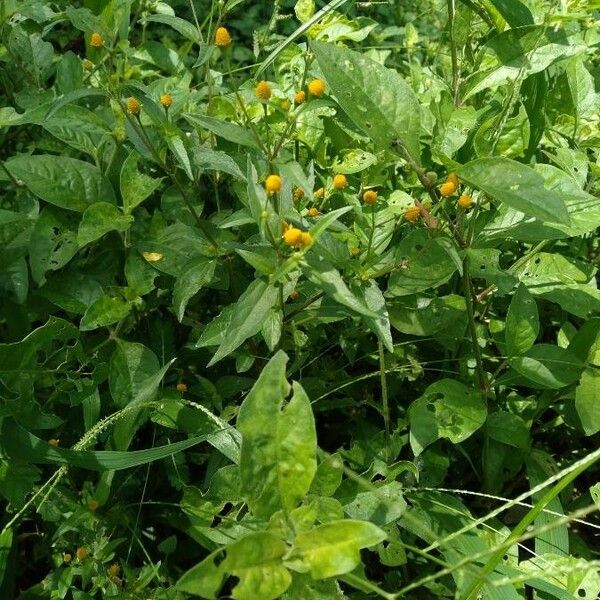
[
  {"x": 425, "y": 263},
  {"x": 278, "y": 457},
  {"x": 204, "y": 579},
  {"x": 229, "y": 131},
  {"x": 215, "y": 160},
  {"x": 6, "y": 541},
  {"x": 73, "y": 291},
  {"x": 326, "y": 220},
  {"x": 514, "y": 11},
  {"x": 134, "y": 373},
  {"x": 334, "y": 548},
  {"x": 376, "y": 98},
  {"x": 53, "y": 242},
  {"x": 587, "y": 394},
  {"x": 272, "y": 328},
  {"x": 522, "y": 322},
  {"x": 250, "y": 311},
  {"x": 100, "y": 218},
  {"x": 63, "y": 181},
  {"x": 257, "y": 560},
  {"x": 381, "y": 506},
  {"x": 483, "y": 263},
  {"x": 185, "y": 28},
  {"x": 517, "y": 185},
  {"x": 548, "y": 366},
  {"x": 372, "y": 297},
  {"x": 509, "y": 429},
  {"x": 304, "y": 10},
  {"x": 354, "y": 161},
  {"x": 329, "y": 280},
  {"x": 135, "y": 186},
  {"x": 447, "y": 409},
  {"x": 105, "y": 311},
  {"x": 198, "y": 272},
  {"x": 23, "y": 446}
]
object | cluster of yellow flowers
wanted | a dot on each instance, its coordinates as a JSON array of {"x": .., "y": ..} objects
[
  {"x": 449, "y": 188},
  {"x": 295, "y": 237}
]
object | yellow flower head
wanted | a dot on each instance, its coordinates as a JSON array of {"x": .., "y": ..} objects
[
  {"x": 305, "y": 239},
  {"x": 67, "y": 557},
  {"x": 273, "y": 184},
  {"x": 133, "y": 105},
  {"x": 263, "y": 90},
  {"x": 298, "y": 194},
  {"x": 465, "y": 201},
  {"x": 412, "y": 214},
  {"x": 81, "y": 553},
  {"x": 182, "y": 388},
  {"x": 166, "y": 100},
  {"x": 313, "y": 212},
  {"x": 222, "y": 37},
  {"x": 355, "y": 251},
  {"x": 370, "y": 197},
  {"x": 88, "y": 65},
  {"x": 320, "y": 193},
  {"x": 96, "y": 40},
  {"x": 453, "y": 178},
  {"x": 53, "y": 442},
  {"x": 293, "y": 236},
  {"x": 300, "y": 97},
  {"x": 113, "y": 571},
  {"x": 294, "y": 295},
  {"x": 340, "y": 181},
  {"x": 316, "y": 87},
  {"x": 447, "y": 189}
]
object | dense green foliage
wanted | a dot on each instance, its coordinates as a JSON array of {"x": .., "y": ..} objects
[{"x": 298, "y": 299}]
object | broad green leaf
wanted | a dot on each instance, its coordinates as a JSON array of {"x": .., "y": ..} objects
[
  {"x": 63, "y": 181},
  {"x": 204, "y": 579},
  {"x": 354, "y": 161},
  {"x": 513, "y": 140},
  {"x": 334, "y": 548},
  {"x": 73, "y": 291},
  {"x": 72, "y": 97},
  {"x": 587, "y": 394},
  {"x": 522, "y": 322},
  {"x": 516, "y": 185},
  {"x": 31, "y": 52},
  {"x": 21, "y": 445},
  {"x": 376, "y": 98},
  {"x": 304, "y": 9},
  {"x": 329, "y": 280},
  {"x": 180, "y": 152},
  {"x": 185, "y": 28},
  {"x": 372, "y": 297},
  {"x": 135, "y": 186},
  {"x": 134, "y": 373},
  {"x": 514, "y": 11},
  {"x": 581, "y": 86},
  {"x": 17, "y": 479},
  {"x": 105, "y": 311},
  {"x": 250, "y": 311},
  {"x": 483, "y": 263},
  {"x": 226, "y": 130},
  {"x": 53, "y": 242},
  {"x": 272, "y": 328},
  {"x": 424, "y": 263},
  {"x": 508, "y": 428},
  {"x": 14, "y": 281},
  {"x": 100, "y": 218},
  {"x": 257, "y": 561},
  {"x": 548, "y": 366},
  {"x": 278, "y": 457},
  {"x": 447, "y": 409},
  {"x": 6, "y": 541},
  {"x": 215, "y": 160},
  {"x": 380, "y": 506},
  {"x": 198, "y": 272},
  {"x": 263, "y": 258},
  {"x": 326, "y": 220}
]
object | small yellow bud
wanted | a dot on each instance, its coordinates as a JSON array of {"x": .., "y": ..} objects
[
  {"x": 273, "y": 184},
  {"x": 294, "y": 295},
  {"x": 305, "y": 239},
  {"x": 88, "y": 65},
  {"x": 53, "y": 442},
  {"x": 222, "y": 37},
  {"x": 355, "y": 251},
  {"x": 93, "y": 505},
  {"x": 300, "y": 97},
  {"x": 340, "y": 181},
  {"x": 447, "y": 189},
  {"x": 81, "y": 553},
  {"x": 182, "y": 388},
  {"x": 113, "y": 571},
  {"x": 412, "y": 214},
  {"x": 298, "y": 194},
  {"x": 320, "y": 193},
  {"x": 316, "y": 87},
  {"x": 96, "y": 40},
  {"x": 263, "y": 90},
  {"x": 286, "y": 105},
  {"x": 313, "y": 212},
  {"x": 465, "y": 202},
  {"x": 133, "y": 105},
  {"x": 67, "y": 558},
  {"x": 293, "y": 236},
  {"x": 166, "y": 100},
  {"x": 370, "y": 197}
]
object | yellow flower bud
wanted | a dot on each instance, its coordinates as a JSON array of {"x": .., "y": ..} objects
[
  {"x": 67, "y": 557},
  {"x": 222, "y": 37},
  {"x": 273, "y": 184},
  {"x": 412, "y": 214},
  {"x": 320, "y": 193},
  {"x": 263, "y": 90},
  {"x": 166, "y": 100},
  {"x": 340, "y": 181},
  {"x": 88, "y": 65},
  {"x": 465, "y": 202},
  {"x": 300, "y": 97},
  {"x": 53, "y": 442},
  {"x": 298, "y": 193},
  {"x": 355, "y": 251},
  {"x": 81, "y": 553},
  {"x": 96, "y": 40},
  {"x": 305, "y": 239},
  {"x": 316, "y": 87},
  {"x": 133, "y": 105},
  {"x": 293, "y": 236},
  {"x": 452, "y": 178},
  {"x": 294, "y": 295},
  {"x": 182, "y": 388},
  {"x": 447, "y": 189},
  {"x": 370, "y": 197},
  {"x": 313, "y": 212}
]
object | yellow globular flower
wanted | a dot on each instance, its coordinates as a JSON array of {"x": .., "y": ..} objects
[
  {"x": 88, "y": 65},
  {"x": 453, "y": 178},
  {"x": 93, "y": 505},
  {"x": 300, "y": 97},
  {"x": 81, "y": 553},
  {"x": 182, "y": 388},
  {"x": 222, "y": 37},
  {"x": 133, "y": 105},
  {"x": 316, "y": 87},
  {"x": 53, "y": 442},
  {"x": 340, "y": 181},
  {"x": 263, "y": 90},
  {"x": 298, "y": 194},
  {"x": 412, "y": 214},
  {"x": 370, "y": 197},
  {"x": 355, "y": 251},
  {"x": 465, "y": 201},
  {"x": 113, "y": 571},
  {"x": 166, "y": 100},
  {"x": 96, "y": 40},
  {"x": 294, "y": 295},
  {"x": 273, "y": 184},
  {"x": 305, "y": 239},
  {"x": 313, "y": 212},
  {"x": 447, "y": 189},
  {"x": 293, "y": 236},
  {"x": 320, "y": 193},
  {"x": 67, "y": 557},
  {"x": 286, "y": 104}
]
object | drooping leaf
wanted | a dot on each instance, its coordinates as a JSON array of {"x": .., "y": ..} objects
[
  {"x": 548, "y": 366},
  {"x": 197, "y": 273},
  {"x": 522, "y": 322},
  {"x": 135, "y": 186},
  {"x": 100, "y": 218}
]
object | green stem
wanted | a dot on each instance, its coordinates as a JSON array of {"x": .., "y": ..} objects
[
  {"x": 453, "y": 52},
  {"x": 384, "y": 400}
]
